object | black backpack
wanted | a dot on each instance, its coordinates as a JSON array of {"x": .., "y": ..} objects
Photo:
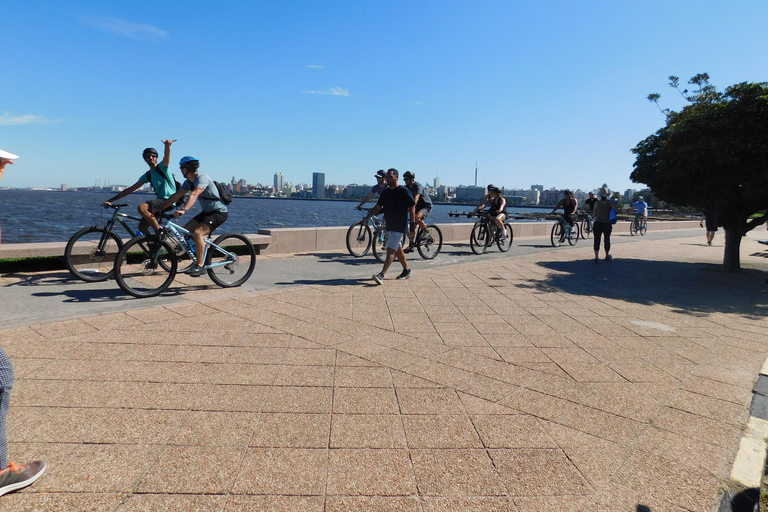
[
  {"x": 224, "y": 195},
  {"x": 176, "y": 184}
]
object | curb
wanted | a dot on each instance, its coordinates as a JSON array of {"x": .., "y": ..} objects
[{"x": 749, "y": 464}]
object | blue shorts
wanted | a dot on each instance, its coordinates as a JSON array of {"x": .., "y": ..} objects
[{"x": 395, "y": 240}]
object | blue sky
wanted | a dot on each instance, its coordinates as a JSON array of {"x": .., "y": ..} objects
[{"x": 548, "y": 92}]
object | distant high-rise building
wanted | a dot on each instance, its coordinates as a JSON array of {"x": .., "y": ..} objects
[
  {"x": 279, "y": 181},
  {"x": 540, "y": 188},
  {"x": 437, "y": 182},
  {"x": 318, "y": 184}
]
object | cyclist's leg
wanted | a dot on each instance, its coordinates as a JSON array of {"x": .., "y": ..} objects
[
  {"x": 420, "y": 216},
  {"x": 147, "y": 211},
  {"x": 201, "y": 226}
]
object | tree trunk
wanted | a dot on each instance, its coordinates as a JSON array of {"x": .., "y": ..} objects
[{"x": 731, "y": 261}]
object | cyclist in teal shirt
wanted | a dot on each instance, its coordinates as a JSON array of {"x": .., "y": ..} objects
[{"x": 162, "y": 181}]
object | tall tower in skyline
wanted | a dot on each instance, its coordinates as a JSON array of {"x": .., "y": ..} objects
[
  {"x": 437, "y": 182},
  {"x": 318, "y": 184},
  {"x": 279, "y": 181}
]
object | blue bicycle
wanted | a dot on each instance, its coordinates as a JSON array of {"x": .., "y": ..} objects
[{"x": 563, "y": 231}]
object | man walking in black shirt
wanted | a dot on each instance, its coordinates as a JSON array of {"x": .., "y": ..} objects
[{"x": 398, "y": 206}]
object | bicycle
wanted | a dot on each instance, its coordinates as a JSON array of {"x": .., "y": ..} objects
[
  {"x": 90, "y": 253},
  {"x": 562, "y": 231},
  {"x": 428, "y": 243},
  {"x": 638, "y": 225},
  {"x": 587, "y": 225},
  {"x": 229, "y": 260},
  {"x": 485, "y": 232},
  {"x": 359, "y": 234}
]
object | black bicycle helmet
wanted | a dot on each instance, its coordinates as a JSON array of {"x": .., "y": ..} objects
[
  {"x": 148, "y": 152},
  {"x": 408, "y": 174}
]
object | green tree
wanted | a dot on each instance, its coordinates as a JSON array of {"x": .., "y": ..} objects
[{"x": 712, "y": 154}]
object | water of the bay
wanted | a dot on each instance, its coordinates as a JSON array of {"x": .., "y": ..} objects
[{"x": 50, "y": 216}]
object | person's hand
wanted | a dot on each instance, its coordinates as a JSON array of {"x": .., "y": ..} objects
[
  {"x": 168, "y": 142},
  {"x": 179, "y": 213},
  {"x": 107, "y": 203},
  {"x": 357, "y": 207}
]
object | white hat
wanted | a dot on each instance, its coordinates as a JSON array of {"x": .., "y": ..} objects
[{"x": 7, "y": 156}]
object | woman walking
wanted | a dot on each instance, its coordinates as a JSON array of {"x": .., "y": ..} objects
[{"x": 603, "y": 226}]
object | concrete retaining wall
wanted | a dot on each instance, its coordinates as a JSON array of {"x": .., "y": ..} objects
[{"x": 293, "y": 240}]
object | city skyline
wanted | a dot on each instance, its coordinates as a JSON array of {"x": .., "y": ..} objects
[{"x": 551, "y": 92}]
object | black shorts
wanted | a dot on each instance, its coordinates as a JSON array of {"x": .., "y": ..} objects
[
  {"x": 211, "y": 219},
  {"x": 155, "y": 206}
]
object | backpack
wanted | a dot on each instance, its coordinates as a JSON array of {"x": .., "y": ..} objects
[{"x": 224, "y": 195}]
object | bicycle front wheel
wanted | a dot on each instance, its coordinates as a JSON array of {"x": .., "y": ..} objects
[
  {"x": 478, "y": 239},
  {"x": 505, "y": 243},
  {"x": 379, "y": 243},
  {"x": 359, "y": 239},
  {"x": 633, "y": 228},
  {"x": 643, "y": 228},
  {"x": 557, "y": 233},
  {"x": 90, "y": 254},
  {"x": 145, "y": 269},
  {"x": 586, "y": 228},
  {"x": 232, "y": 269},
  {"x": 573, "y": 234},
  {"x": 430, "y": 242}
]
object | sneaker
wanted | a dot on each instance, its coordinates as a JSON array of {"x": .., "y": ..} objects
[
  {"x": 709, "y": 243},
  {"x": 408, "y": 249},
  {"x": 608, "y": 258},
  {"x": 405, "y": 274},
  {"x": 379, "y": 278},
  {"x": 14, "y": 477},
  {"x": 196, "y": 271}
]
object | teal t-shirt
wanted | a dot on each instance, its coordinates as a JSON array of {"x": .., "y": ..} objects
[{"x": 162, "y": 181}]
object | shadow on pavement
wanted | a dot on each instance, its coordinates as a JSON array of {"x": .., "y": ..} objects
[
  {"x": 96, "y": 295},
  {"x": 690, "y": 288},
  {"x": 43, "y": 279},
  {"x": 368, "y": 281}
]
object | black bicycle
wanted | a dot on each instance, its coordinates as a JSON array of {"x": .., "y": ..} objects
[
  {"x": 90, "y": 253},
  {"x": 485, "y": 232},
  {"x": 427, "y": 242}
]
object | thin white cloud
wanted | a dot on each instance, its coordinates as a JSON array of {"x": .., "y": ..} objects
[
  {"x": 415, "y": 103},
  {"x": 315, "y": 66},
  {"x": 129, "y": 29},
  {"x": 7, "y": 119},
  {"x": 334, "y": 91}
]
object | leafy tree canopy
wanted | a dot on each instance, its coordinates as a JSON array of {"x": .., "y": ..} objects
[{"x": 712, "y": 154}]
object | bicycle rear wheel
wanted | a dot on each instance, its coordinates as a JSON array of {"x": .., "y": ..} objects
[
  {"x": 90, "y": 254},
  {"x": 557, "y": 233},
  {"x": 379, "y": 243},
  {"x": 478, "y": 238},
  {"x": 643, "y": 228},
  {"x": 430, "y": 242},
  {"x": 359, "y": 239},
  {"x": 633, "y": 227},
  {"x": 239, "y": 264},
  {"x": 573, "y": 234},
  {"x": 505, "y": 243},
  {"x": 145, "y": 273},
  {"x": 586, "y": 228}
]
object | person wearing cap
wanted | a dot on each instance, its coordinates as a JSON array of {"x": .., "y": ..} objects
[
  {"x": 398, "y": 206},
  {"x": 602, "y": 226},
  {"x": 162, "y": 181},
  {"x": 641, "y": 208},
  {"x": 497, "y": 208},
  {"x": 378, "y": 188},
  {"x": 422, "y": 199},
  {"x": 589, "y": 203},
  {"x": 200, "y": 187},
  {"x": 13, "y": 476},
  {"x": 570, "y": 205}
]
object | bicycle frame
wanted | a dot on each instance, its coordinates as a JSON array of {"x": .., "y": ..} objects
[
  {"x": 117, "y": 217},
  {"x": 178, "y": 232}
]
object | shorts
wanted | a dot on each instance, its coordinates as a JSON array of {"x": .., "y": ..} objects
[
  {"x": 211, "y": 219},
  {"x": 425, "y": 212},
  {"x": 710, "y": 223},
  {"x": 156, "y": 205},
  {"x": 395, "y": 240}
]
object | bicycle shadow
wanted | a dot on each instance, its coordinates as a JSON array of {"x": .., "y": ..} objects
[
  {"x": 697, "y": 289},
  {"x": 335, "y": 282},
  {"x": 42, "y": 279}
]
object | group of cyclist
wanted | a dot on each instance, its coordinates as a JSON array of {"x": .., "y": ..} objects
[{"x": 169, "y": 193}]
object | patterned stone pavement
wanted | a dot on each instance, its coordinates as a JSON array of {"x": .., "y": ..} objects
[{"x": 538, "y": 383}]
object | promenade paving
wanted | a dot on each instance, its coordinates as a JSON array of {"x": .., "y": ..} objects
[{"x": 538, "y": 383}]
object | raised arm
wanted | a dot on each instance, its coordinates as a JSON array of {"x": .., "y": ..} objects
[{"x": 167, "y": 151}]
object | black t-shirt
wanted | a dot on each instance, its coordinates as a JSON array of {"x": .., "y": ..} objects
[
  {"x": 396, "y": 202},
  {"x": 591, "y": 203}
]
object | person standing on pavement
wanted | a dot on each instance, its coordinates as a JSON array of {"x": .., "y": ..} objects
[
  {"x": 14, "y": 476},
  {"x": 398, "y": 206},
  {"x": 709, "y": 222},
  {"x": 602, "y": 226}
]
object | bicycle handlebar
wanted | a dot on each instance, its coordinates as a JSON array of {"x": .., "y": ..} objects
[{"x": 115, "y": 206}]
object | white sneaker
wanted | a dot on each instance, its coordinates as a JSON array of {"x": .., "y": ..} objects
[{"x": 379, "y": 278}]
